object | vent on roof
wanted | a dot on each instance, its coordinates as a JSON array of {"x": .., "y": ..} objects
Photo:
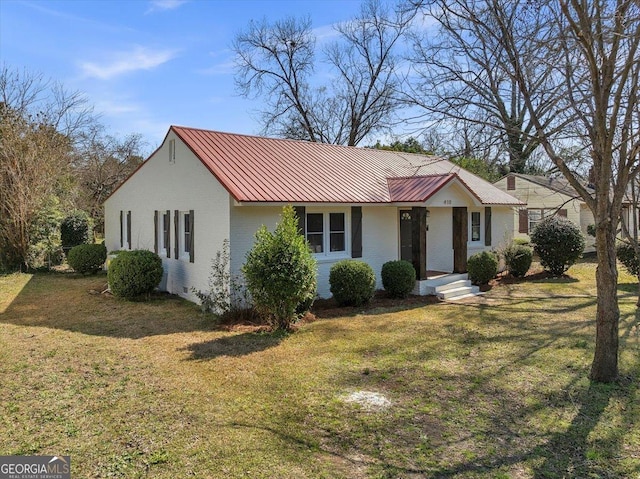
[{"x": 172, "y": 151}]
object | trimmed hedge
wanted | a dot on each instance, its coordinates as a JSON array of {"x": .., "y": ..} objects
[
  {"x": 518, "y": 259},
  {"x": 482, "y": 267},
  {"x": 558, "y": 242},
  {"x": 352, "y": 282},
  {"x": 87, "y": 258},
  {"x": 134, "y": 273},
  {"x": 398, "y": 278}
]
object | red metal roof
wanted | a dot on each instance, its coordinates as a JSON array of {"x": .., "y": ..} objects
[
  {"x": 258, "y": 169},
  {"x": 417, "y": 188}
]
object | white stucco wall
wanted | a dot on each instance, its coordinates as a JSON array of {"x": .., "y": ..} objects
[
  {"x": 379, "y": 236},
  {"x": 440, "y": 234},
  {"x": 181, "y": 185}
]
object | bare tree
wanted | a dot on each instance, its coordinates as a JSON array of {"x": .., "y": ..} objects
[
  {"x": 463, "y": 77},
  {"x": 580, "y": 57},
  {"x": 277, "y": 61},
  {"x": 102, "y": 162},
  {"x": 38, "y": 121}
]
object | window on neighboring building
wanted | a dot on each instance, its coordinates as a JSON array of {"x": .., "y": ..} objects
[
  {"x": 319, "y": 223},
  {"x": 511, "y": 182},
  {"x": 535, "y": 216},
  {"x": 475, "y": 226}
]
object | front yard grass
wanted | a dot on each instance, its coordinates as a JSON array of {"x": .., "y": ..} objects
[{"x": 491, "y": 388}]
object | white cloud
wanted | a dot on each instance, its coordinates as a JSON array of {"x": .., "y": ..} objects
[
  {"x": 119, "y": 63},
  {"x": 117, "y": 107},
  {"x": 163, "y": 5}
]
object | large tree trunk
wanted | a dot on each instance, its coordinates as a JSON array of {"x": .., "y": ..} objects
[{"x": 605, "y": 361}]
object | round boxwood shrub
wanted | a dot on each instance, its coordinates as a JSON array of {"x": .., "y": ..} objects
[
  {"x": 352, "y": 282},
  {"x": 75, "y": 230},
  {"x": 482, "y": 267},
  {"x": 134, "y": 273},
  {"x": 398, "y": 278},
  {"x": 517, "y": 259},
  {"x": 627, "y": 255},
  {"x": 87, "y": 258},
  {"x": 558, "y": 242}
]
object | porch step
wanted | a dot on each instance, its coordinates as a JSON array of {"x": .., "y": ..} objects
[
  {"x": 461, "y": 283},
  {"x": 427, "y": 287},
  {"x": 458, "y": 293}
]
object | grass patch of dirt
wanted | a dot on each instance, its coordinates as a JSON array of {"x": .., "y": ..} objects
[{"x": 495, "y": 387}]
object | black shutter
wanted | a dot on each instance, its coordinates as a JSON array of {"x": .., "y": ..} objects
[
  {"x": 487, "y": 226},
  {"x": 129, "y": 229},
  {"x": 167, "y": 232},
  {"x": 176, "y": 227},
  {"x": 155, "y": 231},
  {"x": 121, "y": 229},
  {"x": 356, "y": 231},
  {"x": 191, "y": 237},
  {"x": 301, "y": 214},
  {"x": 523, "y": 221}
]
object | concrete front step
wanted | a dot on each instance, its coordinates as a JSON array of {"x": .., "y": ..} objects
[
  {"x": 453, "y": 285},
  {"x": 458, "y": 293},
  {"x": 428, "y": 286}
]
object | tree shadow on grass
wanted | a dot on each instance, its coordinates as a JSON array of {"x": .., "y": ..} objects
[
  {"x": 570, "y": 453},
  {"x": 236, "y": 345},
  {"x": 75, "y": 303}
]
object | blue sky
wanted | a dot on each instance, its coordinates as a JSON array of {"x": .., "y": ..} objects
[{"x": 145, "y": 65}]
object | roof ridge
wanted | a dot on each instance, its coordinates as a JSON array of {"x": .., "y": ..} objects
[{"x": 308, "y": 142}]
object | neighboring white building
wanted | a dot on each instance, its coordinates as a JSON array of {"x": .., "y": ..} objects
[
  {"x": 202, "y": 187},
  {"x": 545, "y": 197}
]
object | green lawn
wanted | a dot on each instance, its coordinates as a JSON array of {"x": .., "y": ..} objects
[{"x": 494, "y": 388}]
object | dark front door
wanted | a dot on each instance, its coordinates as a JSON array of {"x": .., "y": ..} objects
[
  {"x": 406, "y": 249},
  {"x": 460, "y": 236}
]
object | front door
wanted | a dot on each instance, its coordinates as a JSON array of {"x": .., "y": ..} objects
[
  {"x": 406, "y": 245},
  {"x": 460, "y": 236}
]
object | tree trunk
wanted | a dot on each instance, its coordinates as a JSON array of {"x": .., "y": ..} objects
[{"x": 605, "y": 361}]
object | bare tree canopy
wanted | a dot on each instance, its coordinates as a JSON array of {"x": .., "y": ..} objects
[
  {"x": 54, "y": 157},
  {"x": 277, "y": 62},
  {"x": 462, "y": 80},
  {"x": 102, "y": 162},
  {"x": 38, "y": 121},
  {"x": 574, "y": 67}
]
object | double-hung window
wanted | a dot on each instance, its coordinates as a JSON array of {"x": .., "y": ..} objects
[
  {"x": 164, "y": 233},
  {"x": 187, "y": 233},
  {"x": 336, "y": 232},
  {"x": 326, "y": 232},
  {"x": 475, "y": 226},
  {"x": 535, "y": 216}
]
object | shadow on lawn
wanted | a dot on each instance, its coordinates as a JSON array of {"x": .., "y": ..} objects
[
  {"x": 236, "y": 345},
  {"x": 499, "y": 437},
  {"x": 74, "y": 303}
]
